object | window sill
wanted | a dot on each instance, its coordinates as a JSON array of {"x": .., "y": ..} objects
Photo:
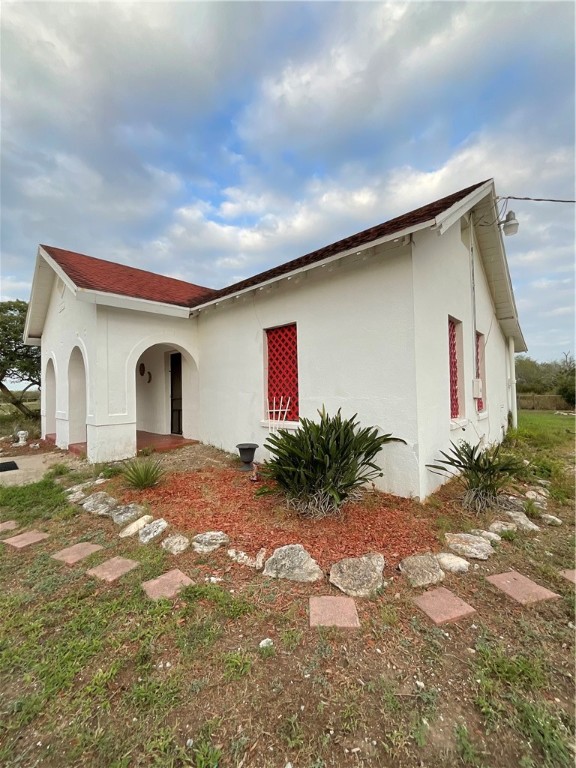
[
  {"x": 289, "y": 425},
  {"x": 482, "y": 415},
  {"x": 458, "y": 423}
]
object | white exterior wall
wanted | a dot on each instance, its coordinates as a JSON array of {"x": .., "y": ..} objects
[
  {"x": 355, "y": 352},
  {"x": 69, "y": 323},
  {"x": 111, "y": 341},
  {"x": 443, "y": 287}
]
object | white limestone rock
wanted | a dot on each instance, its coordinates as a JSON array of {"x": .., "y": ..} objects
[
  {"x": 491, "y": 536},
  {"x": 294, "y": 563},
  {"x": 207, "y": 542},
  {"x": 176, "y": 544},
  {"x": 136, "y": 526},
  {"x": 551, "y": 519},
  {"x": 499, "y": 526},
  {"x": 468, "y": 545},
  {"x": 422, "y": 570},
  {"x": 521, "y": 520},
  {"x": 100, "y": 503},
  {"x": 126, "y": 513},
  {"x": 358, "y": 576},
  {"x": 152, "y": 530},
  {"x": 452, "y": 563},
  {"x": 243, "y": 559}
]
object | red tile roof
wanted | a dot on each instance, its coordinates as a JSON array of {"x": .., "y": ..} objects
[
  {"x": 100, "y": 275},
  {"x": 97, "y": 274},
  {"x": 400, "y": 223}
]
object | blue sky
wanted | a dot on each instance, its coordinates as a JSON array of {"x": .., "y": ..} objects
[{"x": 210, "y": 141}]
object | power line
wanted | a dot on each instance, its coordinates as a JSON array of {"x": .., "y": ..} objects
[{"x": 536, "y": 199}]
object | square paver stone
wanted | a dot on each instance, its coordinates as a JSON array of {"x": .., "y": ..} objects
[
  {"x": 25, "y": 539},
  {"x": 333, "y": 612},
  {"x": 112, "y": 569},
  {"x": 569, "y": 574},
  {"x": 76, "y": 552},
  {"x": 442, "y": 606},
  {"x": 520, "y": 588},
  {"x": 168, "y": 585},
  {"x": 8, "y": 525}
]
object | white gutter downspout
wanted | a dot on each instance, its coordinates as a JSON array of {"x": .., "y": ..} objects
[{"x": 512, "y": 364}]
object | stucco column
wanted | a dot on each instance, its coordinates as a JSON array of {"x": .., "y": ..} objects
[{"x": 512, "y": 364}]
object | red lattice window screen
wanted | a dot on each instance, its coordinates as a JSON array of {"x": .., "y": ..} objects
[
  {"x": 479, "y": 355},
  {"x": 283, "y": 369},
  {"x": 452, "y": 344}
]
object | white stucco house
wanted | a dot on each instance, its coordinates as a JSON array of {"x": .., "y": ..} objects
[{"x": 411, "y": 324}]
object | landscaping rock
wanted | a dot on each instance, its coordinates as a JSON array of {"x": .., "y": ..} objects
[
  {"x": 136, "y": 526},
  {"x": 79, "y": 487},
  {"x": 468, "y": 545},
  {"x": 76, "y": 498},
  {"x": 243, "y": 559},
  {"x": 490, "y": 535},
  {"x": 126, "y": 513},
  {"x": 523, "y": 522},
  {"x": 422, "y": 570},
  {"x": 537, "y": 494},
  {"x": 499, "y": 526},
  {"x": 209, "y": 541},
  {"x": 452, "y": 563},
  {"x": 152, "y": 530},
  {"x": 551, "y": 519},
  {"x": 176, "y": 544},
  {"x": 358, "y": 576},
  {"x": 100, "y": 503},
  {"x": 294, "y": 563}
]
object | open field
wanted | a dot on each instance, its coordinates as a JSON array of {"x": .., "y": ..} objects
[{"x": 98, "y": 675}]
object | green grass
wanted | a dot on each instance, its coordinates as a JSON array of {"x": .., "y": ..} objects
[{"x": 36, "y": 501}]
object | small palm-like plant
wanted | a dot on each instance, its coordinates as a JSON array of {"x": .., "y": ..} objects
[
  {"x": 484, "y": 473},
  {"x": 320, "y": 465},
  {"x": 142, "y": 473}
]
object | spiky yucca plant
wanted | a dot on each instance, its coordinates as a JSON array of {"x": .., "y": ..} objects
[
  {"x": 484, "y": 473},
  {"x": 320, "y": 465},
  {"x": 142, "y": 473}
]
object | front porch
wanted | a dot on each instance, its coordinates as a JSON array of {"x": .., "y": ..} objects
[{"x": 144, "y": 440}]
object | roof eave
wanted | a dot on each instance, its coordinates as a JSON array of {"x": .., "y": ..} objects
[{"x": 119, "y": 301}]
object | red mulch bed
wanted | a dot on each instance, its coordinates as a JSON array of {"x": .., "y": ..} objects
[{"x": 225, "y": 500}]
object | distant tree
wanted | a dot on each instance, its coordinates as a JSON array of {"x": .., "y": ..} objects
[
  {"x": 566, "y": 381},
  {"x": 18, "y": 361},
  {"x": 535, "y": 377}
]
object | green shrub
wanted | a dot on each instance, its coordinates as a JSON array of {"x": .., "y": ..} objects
[
  {"x": 320, "y": 465},
  {"x": 142, "y": 473},
  {"x": 484, "y": 474}
]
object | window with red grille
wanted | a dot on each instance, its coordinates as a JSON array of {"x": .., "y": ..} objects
[
  {"x": 479, "y": 367},
  {"x": 453, "y": 350},
  {"x": 283, "y": 370}
]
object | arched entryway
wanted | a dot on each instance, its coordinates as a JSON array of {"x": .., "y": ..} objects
[
  {"x": 166, "y": 392},
  {"x": 76, "y": 398},
  {"x": 50, "y": 401}
]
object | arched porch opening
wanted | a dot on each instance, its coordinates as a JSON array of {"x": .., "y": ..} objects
[
  {"x": 50, "y": 401},
  {"x": 76, "y": 398},
  {"x": 166, "y": 394}
]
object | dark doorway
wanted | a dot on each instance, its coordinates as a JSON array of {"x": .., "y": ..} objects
[{"x": 176, "y": 393}]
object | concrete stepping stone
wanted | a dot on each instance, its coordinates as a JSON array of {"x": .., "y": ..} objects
[
  {"x": 8, "y": 525},
  {"x": 25, "y": 539},
  {"x": 569, "y": 574},
  {"x": 333, "y": 612},
  {"x": 441, "y": 605},
  {"x": 76, "y": 552},
  {"x": 112, "y": 569},
  {"x": 134, "y": 527},
  {"x": 168, "y": 585},
  {"x": 520, "y": 588}
]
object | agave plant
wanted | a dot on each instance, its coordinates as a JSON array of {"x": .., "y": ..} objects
[
  {"x": 484, "y": 473},
  {"x": 142, "y": 473},
  {"x": 320, "y": 465}
]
